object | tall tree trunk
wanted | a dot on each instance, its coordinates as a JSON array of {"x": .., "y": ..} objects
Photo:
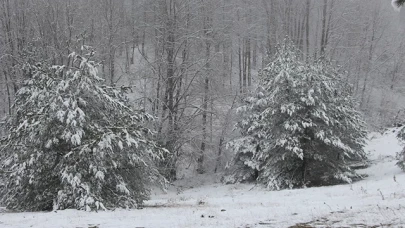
[
  {"x": 207, "y": 32},
  {"x": 249, "y": 62},
  {"x": 308, "y": 5},
  {"x": 7, "y": 84},
  {"x": 240, "y": 66},
  {"x": 170, "y": 87},
  {"x": 225, "y": 126},
  {"x": 133, "y": 32},
  {"x": 324, "y": 28}
]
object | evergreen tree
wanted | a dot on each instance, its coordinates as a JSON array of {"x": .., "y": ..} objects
[
  {"x": 300, "y": 128},
  {"x": 76, "y": 143},
  {"x": 401, "y": 159},
  {"x": 401, "y": 154},
  {"x": 243, "y": 168}
]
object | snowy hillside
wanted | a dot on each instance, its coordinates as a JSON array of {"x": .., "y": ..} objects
[{"x": 378, "y": 201}]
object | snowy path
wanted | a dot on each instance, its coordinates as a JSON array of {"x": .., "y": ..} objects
[{"x": 378, "y": 200}]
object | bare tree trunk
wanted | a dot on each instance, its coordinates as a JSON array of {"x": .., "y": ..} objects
[
  {"x": 7, "y": 82},
  {"x": 133, "y": 32},
  {"x": 254, "y": 59},
  {"x": 249, "y": 63},
  {"x": 127, "y": 58},
  {"x": 240, "y": 66},
  {"x": 225, "y": 126},
  {"x": 144, "y": 37},
  {"x": 207, "y": 28},
  {"x": 10, "y": 40},
  {"x": 324, "y": 28},
  {"x": 231, "y": 67},
  {"x": 168, "y": 110},
  {"x": 370, "y": 57},
  {"x": 308, "y": 5},
  {"x": 244, "y": 64},
  {"x": 109, "y": 16}
]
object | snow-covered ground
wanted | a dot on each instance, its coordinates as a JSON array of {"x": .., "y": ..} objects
[{"x": 376, "y": 201}]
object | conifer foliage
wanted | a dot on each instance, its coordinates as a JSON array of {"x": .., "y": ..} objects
[
  {"x": 401, "y": 159},
  {"x": 401, "y": 154},
  {"x": 76, "y": 143},
  {"x": 300, "y": 127}
]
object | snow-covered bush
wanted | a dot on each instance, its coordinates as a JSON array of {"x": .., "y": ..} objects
[
  {"x": 299, "y": 128},
  {"x": 74, "y": 142}
]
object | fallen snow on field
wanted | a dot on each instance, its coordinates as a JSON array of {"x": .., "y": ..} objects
[{"x": 378, "y": 200}]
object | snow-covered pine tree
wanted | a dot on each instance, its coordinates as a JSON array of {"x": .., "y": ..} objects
[
  {"x": 401, "y": 159},
  {"x": 300, "y": 127},
  {"x": 75, "y": 142},
  {"x": 401, "y": 154},
  {"x": 243, "y": 168}
]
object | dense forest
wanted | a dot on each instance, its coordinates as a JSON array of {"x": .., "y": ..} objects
[{"x": 190, "y": 64}]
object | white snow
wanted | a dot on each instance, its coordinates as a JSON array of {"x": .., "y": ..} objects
[{"x": 203, "y": 201}]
